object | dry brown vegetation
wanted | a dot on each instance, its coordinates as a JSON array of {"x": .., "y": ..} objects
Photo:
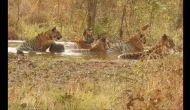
[
  {"x": 69, "y": 83},
  {"x": 70, "y": 16},
  {"x": 12, "y": 34}
]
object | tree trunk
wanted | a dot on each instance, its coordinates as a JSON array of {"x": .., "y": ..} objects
[
  {"x": 58, "y": 6},
  {"x": 91, "y": 14},
  {"x": 39, "y": 6},
  {"x": 18, "y": 14},
  {"x": 151, "y": 20},
  {"x": 121, "y": 26}
]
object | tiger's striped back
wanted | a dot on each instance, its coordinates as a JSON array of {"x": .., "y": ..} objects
[
  {"x": 121, "y": 46},
  {"x": 153, "y": 53},
  {"x": 84, "y": 51},
  {"x": 134, "y": 44},
  {"x": 30, "y": 45}
]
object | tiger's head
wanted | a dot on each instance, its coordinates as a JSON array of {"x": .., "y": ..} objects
[
  {"x": 164, "y": 40},
  {"x": 167, "y": 42},
  {"x": 101, "y": 44},
  {"x": 105, "y": 35},
  {"x": 170, "y": 44},
  {"x": 139, "y": 38},
  {"x": 141, "y": 35},
  {"x": 53, "y": 34},
  {"x": 165, "y": 45},
  {"x": 88, "y": 36}
]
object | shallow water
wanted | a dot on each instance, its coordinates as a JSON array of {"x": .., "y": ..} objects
[{"x": 12, "y": 44}]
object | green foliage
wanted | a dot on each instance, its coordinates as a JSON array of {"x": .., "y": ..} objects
[
  {"x": 104, "y": 25},
  {"x": 72, "y": 17}
]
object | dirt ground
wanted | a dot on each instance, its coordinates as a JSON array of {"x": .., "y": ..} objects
[
  {"x": 122, "y": 84},
  {"x": 69, "y": 67}
]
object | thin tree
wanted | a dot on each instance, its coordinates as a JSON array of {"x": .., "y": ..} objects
[
  {"x": 91, "y": 14},
  {"x": 58, "y": 14},
  {"x": 121, "y": 25},
  {"x": 153, "y": 8},
  {"x": 39, "y": 5},
  {"x": 129, "y": 4},
  {"x": 18, "y": 13}
]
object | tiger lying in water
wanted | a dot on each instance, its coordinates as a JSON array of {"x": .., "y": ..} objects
[
  {"x": 155, "y": 52},
  {"x": 84, "y": 43},
  {"x": 41, "y": 42},
  {"x": 134, "y": 44},
  {"x": 98, "y": 48}
]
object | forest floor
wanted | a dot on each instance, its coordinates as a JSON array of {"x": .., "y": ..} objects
[{"x": 68, "y": 83}]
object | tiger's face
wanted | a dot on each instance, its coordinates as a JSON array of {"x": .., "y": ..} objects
[
  {"x": 170, "y": 46},
  {"x": 168, "y": 42},
  {"x": 88, "y": 37},
  {"x": 137, "y": 40},
  {"x": 164, "y": 40},
  {"x": 102, "y": 41},
  {"x": 106, "y": 43},
  {"x": 54, "y": 34},
  {"x": 141, "y": 36}
]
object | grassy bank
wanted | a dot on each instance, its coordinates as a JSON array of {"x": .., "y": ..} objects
[{"x": 41, "y": 83}]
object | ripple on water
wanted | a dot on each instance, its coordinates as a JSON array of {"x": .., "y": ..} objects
[{"x": 12, "y": 44}]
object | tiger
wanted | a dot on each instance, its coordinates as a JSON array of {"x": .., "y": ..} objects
[
  {"x": 155, "y": 52},
  {"x": 41, "y": 42},
  {"x": 84, "y": 43},
  {"x": 134, "y": 44},
  {"x": 60, "y": 47},
  {"x": 98, "y": 48},
  {"x": 170, "y": 44}
]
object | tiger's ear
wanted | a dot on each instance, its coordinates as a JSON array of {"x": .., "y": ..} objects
[
  {"x": 138, "y": 31},
  {"x": 54, "y": 29},
  {"x": 84, "y": 33},
  {"x": 164, "y": 37},
  {"x": 145, "y": 27},
  {"x": 99, "y": 36},
  {"x": 103, "y": 39}
]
